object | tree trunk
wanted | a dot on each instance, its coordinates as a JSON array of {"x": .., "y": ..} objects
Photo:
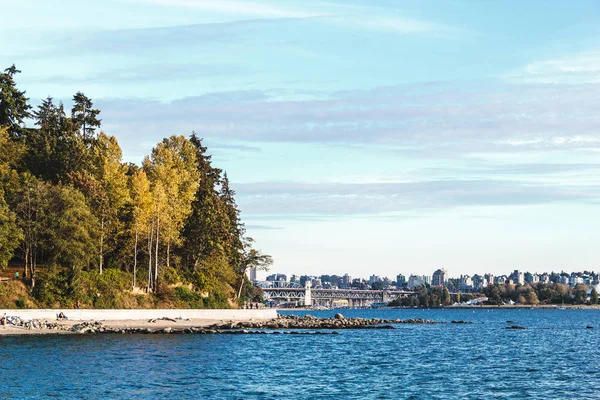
[
  {"x": 150, "y": 236},
  {"x": 26, "y": 261},
  {"x": 156, "y": 255},
  {"x": 168, "y": 251},
  {"x": 241, "y": 286},
  {"x": 33, "y": 265},
  {"x": 135, "y": 257},
  {"x": 101, "y": 244}
]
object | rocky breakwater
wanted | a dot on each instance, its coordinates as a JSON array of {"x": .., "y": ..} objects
[{"x": 337, "y": 322}]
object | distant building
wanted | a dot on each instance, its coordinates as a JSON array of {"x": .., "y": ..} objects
[
  {"x": 564, "y": 280},
  {"x": 479, "y": 282},
  {"x": 465, "y": 283},
  {"x": 439, "y": 277},
  {"x": 400, "y": 280},
  {"x": 517, "y": 277},
  {"x": 574, "y": 280},
  {"x": 374, "y": 278},
  {"x": 277, "y": 278},
  {"x": 347, "y": 280},
  {"x": 251, "y": 272},
  {"x": 415, "y": 281}
]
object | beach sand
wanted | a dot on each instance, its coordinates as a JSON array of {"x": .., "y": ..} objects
[{"x": 116, "y": 324}]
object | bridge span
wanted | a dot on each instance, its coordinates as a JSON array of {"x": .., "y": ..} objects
[{"x": 308, "y": 296}]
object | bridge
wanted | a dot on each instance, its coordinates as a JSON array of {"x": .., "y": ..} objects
[{"x": 307, "y": 296}]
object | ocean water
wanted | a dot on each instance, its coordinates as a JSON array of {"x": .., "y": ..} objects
[{"x": 555, "y": 358}]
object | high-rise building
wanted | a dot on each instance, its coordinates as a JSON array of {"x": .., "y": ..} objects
[
  {"x": 251, "y": 272},
  {"x": 400, "y": 280},
  {"x": 415, "y": 281},
  {"x": 347, "y": 280},
  {"x": 439, "y": 277},
  {"x": 465, "y": 283}
]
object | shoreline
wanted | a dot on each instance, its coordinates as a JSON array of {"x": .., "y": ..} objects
[
  {"x": 465, "y": 307},
  {"x": 156, "y": 319}
]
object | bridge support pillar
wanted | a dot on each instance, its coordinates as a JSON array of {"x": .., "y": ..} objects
[{"x": 307, "y": 295}]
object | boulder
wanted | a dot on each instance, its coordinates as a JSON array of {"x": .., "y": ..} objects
[{"x": 338, "y": 316}]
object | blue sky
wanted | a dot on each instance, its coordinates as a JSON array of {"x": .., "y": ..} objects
[{"x": 361, "y": 136}]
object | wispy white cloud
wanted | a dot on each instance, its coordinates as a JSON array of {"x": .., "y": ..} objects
[
  {"x": 399, "y": 25},
  {"x": 301, "y": 198},
  {"x": 237, "y": 7},
  {"x": 350, "y": 16},
  {"x": 577, "y": 68},
  {"x": 451, "y": 120}
]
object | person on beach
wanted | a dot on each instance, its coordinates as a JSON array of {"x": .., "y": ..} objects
[{"x": 3, "y": 321}]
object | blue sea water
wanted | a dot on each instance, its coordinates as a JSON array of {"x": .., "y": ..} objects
[{"x": 555, "y": 358}]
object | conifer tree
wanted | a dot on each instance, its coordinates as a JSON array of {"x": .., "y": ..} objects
[
  {"x": 14, "y": 108},
  {"x": 85, "y": 116}
]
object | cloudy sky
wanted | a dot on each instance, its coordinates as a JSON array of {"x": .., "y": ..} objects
[{"x": 361, "y": 136}]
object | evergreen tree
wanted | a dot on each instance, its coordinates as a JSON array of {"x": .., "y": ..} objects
[
  {"x": 54, "y": 149},
  {"x": 206, "y": 229},
  {"x": 13, "y": 103},
  {"x": 235, "y": 246},
  {"x": 85, "y": 116}
]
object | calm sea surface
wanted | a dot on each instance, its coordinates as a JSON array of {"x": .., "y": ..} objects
[{"x": 556, "y": 358}]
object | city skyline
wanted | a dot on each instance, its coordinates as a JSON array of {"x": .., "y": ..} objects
[{"x": 399, "y": 137}]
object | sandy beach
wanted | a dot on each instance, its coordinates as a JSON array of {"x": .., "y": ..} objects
[
  {"x": 66, "y": 326},
  {"x": 128, "y": 319}
]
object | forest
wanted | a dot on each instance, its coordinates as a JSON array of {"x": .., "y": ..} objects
[{"x": 84, "y": 229}]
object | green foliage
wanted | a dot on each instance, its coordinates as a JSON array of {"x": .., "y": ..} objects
[
  {"x": 10, "y": 234},
  {"x": 53, "y": 288},
  {"x": 21, "y": 302},
  {"x": 13, "y": 103},
  {"x": 87, "y": 227},
  {"x": 84, "y": 116}
]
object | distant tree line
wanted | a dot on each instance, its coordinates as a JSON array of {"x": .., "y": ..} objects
[
  {"x": 498, "y": 294},
  {"x": 540, "y": 293},
  {"x": 87, "y": 227}
]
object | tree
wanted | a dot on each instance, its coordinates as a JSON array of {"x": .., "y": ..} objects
[
  {"x": 141, "y": 200},
  {"x": 11, "y": 153},
  {"x": 446, "y": 300},
  {"x": 251, "y": 258},
  {"x": 594, "y": 296},
  {"x": 85, "y": 116},
  {"x": 13, "y": 103},
  {"x": 206, "y": 230},
  {"x": 173, "y": 171},
  {"x": 531, "y": 298},
  {"x": 10, "y": 234},
  {"x": 32, "y": 207},
  {"x": 105, "y": 188},
  {"x": 73, "y": 227},
  {"x": 235, "y": 242},
  {"x": 54, "y": 149}
]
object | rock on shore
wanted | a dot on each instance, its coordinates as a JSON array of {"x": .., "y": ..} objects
[{"x": 290, "y": 324}]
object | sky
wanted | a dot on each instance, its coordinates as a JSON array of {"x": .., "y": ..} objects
[{"x": 361, "y": 137}]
